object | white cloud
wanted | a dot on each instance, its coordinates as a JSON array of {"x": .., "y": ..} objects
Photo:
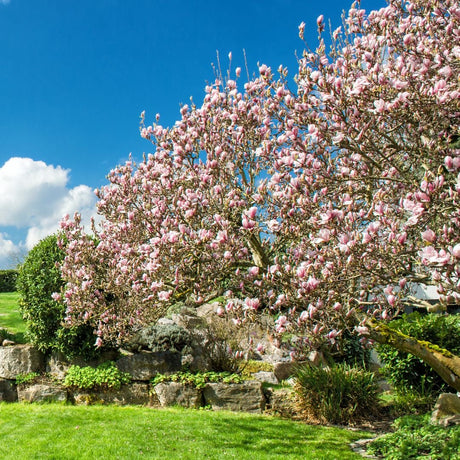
[
  {"x": 8, "y": 251},
  {"x": 35, "y": 196},
  {"x": 4, "y": 2}
]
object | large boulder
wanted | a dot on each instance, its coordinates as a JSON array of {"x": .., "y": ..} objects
[
  {"x": 178, "y": 394},
  {"x": 42, "y": 393},
  {"x": 238, "y": 397},
  {"x": 446, "y": 410},
  {"x": 8, "y": 392},
  {"x": 145, "y": 365},
  {"x": 20, "y": 359},
  {"x": 134, "y": 393}
]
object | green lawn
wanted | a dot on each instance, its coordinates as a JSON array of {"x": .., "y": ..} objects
[
  {"x": 63, "y": 432},
  {"x": 10, "y": 318}
]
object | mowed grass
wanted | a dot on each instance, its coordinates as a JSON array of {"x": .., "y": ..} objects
[
  {"x": 53, "y": 431},
  {"x": 10, "y": 318}
]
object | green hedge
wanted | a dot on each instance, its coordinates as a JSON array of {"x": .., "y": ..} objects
[{"x": 8, "y": 280}]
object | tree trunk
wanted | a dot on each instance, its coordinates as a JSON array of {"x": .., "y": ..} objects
[{"x": 446, "y": 364}]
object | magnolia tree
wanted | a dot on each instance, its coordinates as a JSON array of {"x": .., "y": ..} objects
[{"x": 323, "y": 200}]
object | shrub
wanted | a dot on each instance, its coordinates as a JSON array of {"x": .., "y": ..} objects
[
  {"x": 338, "y": 394},
  {"x": 415, "y": 437},
  {"x": 39, "y": 277},
  {"x": 8, "y": 280},
  {"x": 405, "y": 371},
  {"x": 105, "y": 376}
]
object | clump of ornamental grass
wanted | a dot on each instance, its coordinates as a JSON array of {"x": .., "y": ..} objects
[{"x": 340, "y": 394}]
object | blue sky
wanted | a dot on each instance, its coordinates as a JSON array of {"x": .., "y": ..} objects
[{"x": 75, "y": 76}]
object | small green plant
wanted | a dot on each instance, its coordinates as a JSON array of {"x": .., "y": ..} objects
[
  {"x": 415, "y": 437},
  {"x": 198, "y": 380},
  {"x": 338, "y": 394},
  {"x": 25, "y": 379},
  {"x": 105, "y": 376},
  {"x": 409, "y": 401},
  {"x": 4, "y": 334}
]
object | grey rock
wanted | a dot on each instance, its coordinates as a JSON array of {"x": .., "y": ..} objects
[
  {"x": 283, "y": 370},
  {"x": 134, "y": 393},
  {"x": 20, "y": 359},
  {"x": 281, "y": 401},
  {"x": 165, "y": 322},
  {"x": 189, "y": 322},
  {"x": 267, "y": 377},
  {"x": 446, "y": 410},
  {"x": 7, "y": 343},
  {"x": 8, "y": 392},
  {"x": 178, "y": 394},
  {"x": 145, "y": 365},
  {"x": 42, "y": 393},
  {"x": 239, "y": 397}
]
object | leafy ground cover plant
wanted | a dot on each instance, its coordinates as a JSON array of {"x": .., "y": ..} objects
[
  {"x": 24, "y": 379},
  {"x": 129, "y": 432},
  {"x": 105, "y": 376},
  {"x": 415, "y": 437},
  {"x": 338, "y": 394},
  {"x": 199, "y": 379}
]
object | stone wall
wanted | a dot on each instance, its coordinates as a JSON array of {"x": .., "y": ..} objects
[{"x": 18, "y": 360}]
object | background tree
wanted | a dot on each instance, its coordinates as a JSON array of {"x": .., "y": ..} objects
[{"x": 324, "y": 204}]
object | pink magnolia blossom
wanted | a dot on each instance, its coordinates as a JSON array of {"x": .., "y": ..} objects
[{"x": 335, "y": 192}]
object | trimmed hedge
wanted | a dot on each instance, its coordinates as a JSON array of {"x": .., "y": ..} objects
[
  {"x": 39, "y": 277},
  {"x": 8, "y": 280}
]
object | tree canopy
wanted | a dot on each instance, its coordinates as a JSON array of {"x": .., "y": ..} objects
[{"x": 323, "y": 199}]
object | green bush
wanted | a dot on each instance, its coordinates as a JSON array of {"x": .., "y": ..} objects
[
  {"x": 338, "y": 394},
  {"x": 104, "y": 377},
  {"x": 407, "y": 372},
  {"x": 39, "y": 277},
  {"x": 415, "y": 438},
  {"x": 8, "y": 280}
]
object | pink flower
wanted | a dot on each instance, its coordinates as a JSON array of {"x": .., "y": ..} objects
[
  {"x": 429, "y": 235},
  {"x": 456, "y": 251},
  {"x": 252, "y": 304},
  {"x": 280, "y": 324},
  {"x": 391, "y": 300}
]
